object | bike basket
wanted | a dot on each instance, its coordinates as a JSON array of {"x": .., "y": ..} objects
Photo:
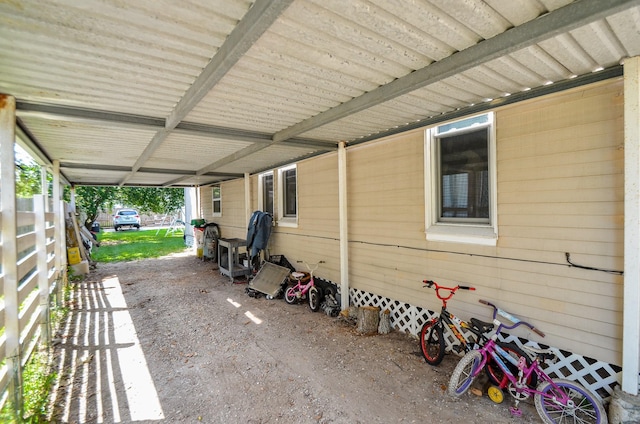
[{"x": 304, "y": 279}]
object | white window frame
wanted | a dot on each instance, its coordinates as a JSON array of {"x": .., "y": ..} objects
[
  {"x": 215, "y": 199},
  {"x": 261, "y": 199},
  {"x": 459, "y": 232},
  {"x": 286, "y": 221}
]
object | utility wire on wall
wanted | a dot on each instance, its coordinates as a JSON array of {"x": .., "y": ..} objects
[
  {"x": 610, "y": 271},
  {"x": 567, "y": 254}
]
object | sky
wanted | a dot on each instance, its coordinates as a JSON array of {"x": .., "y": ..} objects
[{"x": 22, "y": 156}]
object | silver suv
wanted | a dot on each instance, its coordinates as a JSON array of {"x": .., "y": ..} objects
[{"x": 126, "y": 218}]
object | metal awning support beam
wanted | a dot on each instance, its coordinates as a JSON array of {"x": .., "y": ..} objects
[
  {"x": 96, "y": 117},
  {"x": 261, "y": 15},
  {"x": 30, "y": 144},
  {"x": 247, "y": 151},
  {"x": 565, "y": 19},
  {"x": 259, "y": 18},
  {"x": 26, "y": 108}
]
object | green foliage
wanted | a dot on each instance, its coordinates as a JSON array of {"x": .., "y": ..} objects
[
  {"x": 152, "y": 199},
  {"x": 134, "y": 245},
  {"x": 37, "y": 380},
  {"x": 28, "y": 179},
  {"x": 93, "y": 200}
]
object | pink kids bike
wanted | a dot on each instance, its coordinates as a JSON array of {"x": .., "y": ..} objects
[{"x": 301, "y": 290}]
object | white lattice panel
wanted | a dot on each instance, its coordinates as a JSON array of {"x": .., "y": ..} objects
[{"x": 599, "y": 377}]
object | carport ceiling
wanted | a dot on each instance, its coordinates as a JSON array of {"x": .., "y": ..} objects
[{"x": 164, "y": 93}]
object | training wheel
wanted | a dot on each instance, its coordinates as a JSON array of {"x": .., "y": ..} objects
[
  {"x": 495, "y": 394},
  {"x": 515, "y": 411}
]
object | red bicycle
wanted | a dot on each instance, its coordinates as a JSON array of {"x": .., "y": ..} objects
[{"x": 469, "y": 335}]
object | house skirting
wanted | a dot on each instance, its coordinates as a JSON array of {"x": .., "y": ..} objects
[{"x": 600, "y": 377}]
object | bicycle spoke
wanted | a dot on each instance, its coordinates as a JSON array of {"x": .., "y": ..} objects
[{"x": 581, "y": 409}]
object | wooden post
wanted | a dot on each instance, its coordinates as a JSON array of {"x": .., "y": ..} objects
[
  {"x": 368, "y": 318},
  {"x": 385, "y": 323},
  {"x": 10, "y": 248}
]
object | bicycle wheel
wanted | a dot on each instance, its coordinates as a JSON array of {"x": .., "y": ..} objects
[
  {"x": 291, "y": 295},
  {"x": 314, "y": 299},
  {"x": 495, "y": 373},
  {"x": 464, "y": 373},
  {"x": 432, "y": 342},
  {"x": 584, "y": 406}
]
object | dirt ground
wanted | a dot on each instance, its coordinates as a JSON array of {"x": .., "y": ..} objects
[{"x": 171, "y": 340}]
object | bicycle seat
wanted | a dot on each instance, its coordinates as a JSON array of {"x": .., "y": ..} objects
[
  {"x": 484, "y": 327},
  {"x": 298, "y": 275},
  {"x": 542, "y": 353}
]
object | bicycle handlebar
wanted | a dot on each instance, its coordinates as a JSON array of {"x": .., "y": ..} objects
[
  {"x": 430, "y": 283},
  {"x": 516, "y": 321},
  {"x": 311, "y": 267},
  {"x": 438, "y": 287}
]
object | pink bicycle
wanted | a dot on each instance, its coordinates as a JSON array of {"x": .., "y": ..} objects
[{"x": 301, "y": 290}]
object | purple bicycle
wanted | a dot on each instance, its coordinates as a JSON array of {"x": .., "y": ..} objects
[{"x": 557, "y": 400}]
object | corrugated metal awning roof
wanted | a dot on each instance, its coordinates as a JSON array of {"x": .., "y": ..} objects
[{"x": 190, "y": 93}]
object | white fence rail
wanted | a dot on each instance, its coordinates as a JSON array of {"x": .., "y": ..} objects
[{"x": 33, "y": 259}]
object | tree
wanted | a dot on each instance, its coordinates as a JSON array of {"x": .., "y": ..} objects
[
  {"x": 28, "y": 179},
  {"x": 153, "y": 199},
  {"x": 93, "y": 200}
]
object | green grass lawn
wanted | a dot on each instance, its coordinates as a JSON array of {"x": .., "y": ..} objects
[{"x": 131, "y": 245}]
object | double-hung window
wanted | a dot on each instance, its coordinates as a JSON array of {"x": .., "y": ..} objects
[
  {"x": 288, "y": 196},
  {"x": 461, "y": 181},
  {"x": 265, "y": 192},
  {"x": 216, "y": 199}
]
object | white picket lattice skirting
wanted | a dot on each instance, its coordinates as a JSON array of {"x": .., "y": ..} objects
[{"x": 599, "y": 377}]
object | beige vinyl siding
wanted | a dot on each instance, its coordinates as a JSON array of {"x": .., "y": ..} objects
[
  {"x": 317, "y": 235},
  {"x": 318, "y": 197},
  {"x": 386, "y": 191},
  {"x": 233, "y": 219},
  {"x": 206, "y": 205},
  {"x": 386, "y": 218},
  {"x": 560, "y": 189}
]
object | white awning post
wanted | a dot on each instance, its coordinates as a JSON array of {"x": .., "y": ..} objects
[
  {"x": 344, "y": 228},
  {"x": 247, "y": 199},
  {"x": 631, "y": 300},
  {"x": 9, "y": 248}
]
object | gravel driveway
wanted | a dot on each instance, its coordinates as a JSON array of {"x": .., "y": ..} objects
[{"x": 170, "y": 340}]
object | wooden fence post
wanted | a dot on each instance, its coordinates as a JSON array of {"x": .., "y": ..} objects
[
  {"x": 39, "y": 207},
  {"x": 10, "y": 248}
]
